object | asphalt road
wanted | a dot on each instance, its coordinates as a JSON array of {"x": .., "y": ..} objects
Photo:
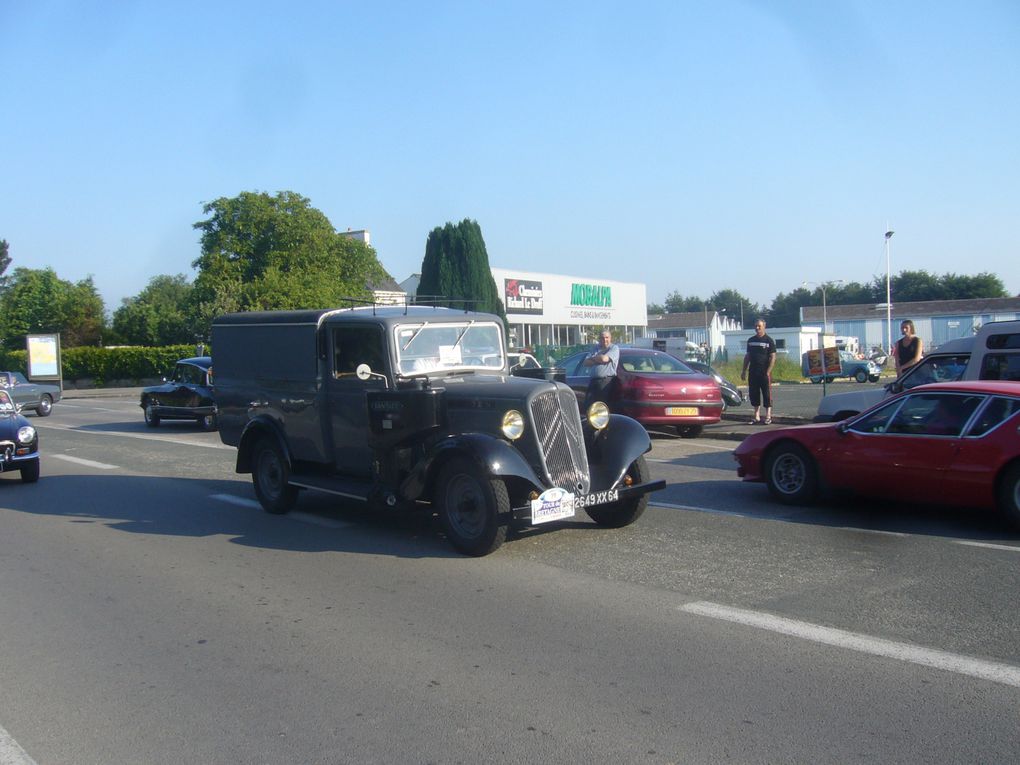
[{"x": 151, "y": 613}]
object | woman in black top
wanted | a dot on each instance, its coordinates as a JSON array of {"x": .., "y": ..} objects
[{"x": 909, "y": 349}]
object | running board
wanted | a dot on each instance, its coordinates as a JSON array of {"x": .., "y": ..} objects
[{"x": 341, "y": 487}]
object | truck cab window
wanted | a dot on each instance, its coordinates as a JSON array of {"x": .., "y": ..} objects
[{"x": 353, "y": 346}]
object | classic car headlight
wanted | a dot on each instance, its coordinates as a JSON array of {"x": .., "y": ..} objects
[
  {"x": 598, "y": 415},
  {"x": 513, "y": 424},
  {"x": 26, "y": 434}
]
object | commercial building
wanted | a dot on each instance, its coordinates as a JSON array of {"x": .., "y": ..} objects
[
  {"x": 935, "y": 321},
  {"x": 553, "y": 309},
  {"x": 699, "y": 327},
  {"x": 557, "y": 310}
]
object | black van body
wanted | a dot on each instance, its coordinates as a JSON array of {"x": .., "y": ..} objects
[{"x": 414, "y": 405}]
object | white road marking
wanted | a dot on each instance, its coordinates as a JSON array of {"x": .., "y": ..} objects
[
  {"x": 64, "y": 405},
  {"x": 300, "y": 517},
  {"x": 792, "y": 514},
  {"x": 143, "y": 437},
  {"x": 989, "y": 545},
  {"x": 11, "y": 753},
  {"x": 80, "y": 461},
  {"x": 928, "y": 657},
  {"x": 231, "y": 499}
]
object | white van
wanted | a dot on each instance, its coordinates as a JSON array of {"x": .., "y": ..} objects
[
  {"x": 848, "y": 344},
  {"x": 991, "y": 354}
]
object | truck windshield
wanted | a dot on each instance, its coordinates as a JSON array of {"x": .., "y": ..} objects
[{"x": 430, "y": 347}]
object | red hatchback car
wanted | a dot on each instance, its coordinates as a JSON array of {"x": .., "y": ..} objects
[
  {"x": 655, "y": 389},
  {"x": 946, "y": 443}
]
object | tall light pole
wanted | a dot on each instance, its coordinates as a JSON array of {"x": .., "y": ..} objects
[
  {"x": 707, "y": 341},
  {"x": 888, "y": 293},
  {"x": 825, "y": 324},
  {"x": 822, "y": 286}
]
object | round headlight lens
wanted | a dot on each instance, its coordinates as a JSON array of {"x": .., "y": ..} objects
[
  {"x": 26, "y": 434},
  {"x": 513, "y": 424},
  {"x": 598, "y": 415}
]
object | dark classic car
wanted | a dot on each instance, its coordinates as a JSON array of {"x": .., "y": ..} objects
[
  {"x": 415, "y": 407},
  {"x": 186, "y": 395},
  {"x": 945, "y": 443},
  {"x": 730, "y": 393},
  {"x": 38, "y": 397},
  {"x": 656, "y": 389},
  {"x": 19, "y": 442}
]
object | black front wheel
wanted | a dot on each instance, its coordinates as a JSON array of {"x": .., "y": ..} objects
[
  {"x": 473, "y": 507},
  {"x": 45, "y": 405},
  {"x": 1009, "y": 495},
  {"x": 861, "y": 376},
  {"x": 791, "y": 474},
  {"x": 623, "y": 512},
  {"x": 151, "y": 418},
  {"x": 208, "y": 422},
  {"x": 271, "y": 477},
  {"x": 30, "y": 471}
]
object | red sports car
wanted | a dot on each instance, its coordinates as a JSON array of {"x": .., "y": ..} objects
[
  {"x": 946, "y": 443},
  {"x": 655, "y": 389}
]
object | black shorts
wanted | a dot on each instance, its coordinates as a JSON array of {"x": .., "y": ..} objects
[{"x": 759, "y": 388}]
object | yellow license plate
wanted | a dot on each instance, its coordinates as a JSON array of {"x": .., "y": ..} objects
[{"x": 682, "y": 411}]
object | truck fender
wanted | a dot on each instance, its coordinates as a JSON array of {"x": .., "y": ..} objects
[
  {"x": 492, "y": 456},
  {"x": 615, "y": 448},
  {"x": 253, "y": 430}
]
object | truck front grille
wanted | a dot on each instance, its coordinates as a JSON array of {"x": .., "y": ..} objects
[{"x": 561, "y": 440}]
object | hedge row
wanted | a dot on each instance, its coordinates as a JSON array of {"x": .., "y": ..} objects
[{"x": 101, "y": 365}]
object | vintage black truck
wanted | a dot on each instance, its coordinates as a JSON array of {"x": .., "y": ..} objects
[{"x": 414, "y": 406}]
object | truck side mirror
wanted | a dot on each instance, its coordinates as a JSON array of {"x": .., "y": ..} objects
[{"x": 364, "y": 372}]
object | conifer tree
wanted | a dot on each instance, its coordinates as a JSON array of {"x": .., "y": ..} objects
[{"x": 456, "y": 269}]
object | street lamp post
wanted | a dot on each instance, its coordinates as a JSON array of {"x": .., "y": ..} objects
[
  {"x": 825, "y": 325},
  {"x": 888, "y": 293},
  {"x": 707, "y": 342},
  {"x": 823, "y": 286}
]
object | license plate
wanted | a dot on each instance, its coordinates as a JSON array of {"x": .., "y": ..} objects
[
  {"x": 596, "y": 498},
  {"x": 555, "y": 504},
  {"x": 682, "y": 411},
  {"x": 552, "y": 505}
]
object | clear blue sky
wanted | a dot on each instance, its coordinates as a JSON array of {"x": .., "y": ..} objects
[{"x": 693, "y": 146}]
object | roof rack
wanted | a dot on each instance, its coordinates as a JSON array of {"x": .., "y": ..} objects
[{"x": 426, "y": 301}]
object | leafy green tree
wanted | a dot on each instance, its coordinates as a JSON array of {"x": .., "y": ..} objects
[
  {"x": 677, "y": 303},
  {"x": 785, "y": 309},
  {"x": 735, "y": 305},
  {"x": 982, "y": 285},
  {"x": 37, "y": 301},
  {"x": 850, "y": 293},
  {"x": 158, "y": 315},
  {"x": 655, "y": 309},
  {"x": 262, "y": 252},
  {"x": 456, "y": 268},
  {"x": 5, "y": 261}
]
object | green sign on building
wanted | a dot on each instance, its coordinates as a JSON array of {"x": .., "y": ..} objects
[{"x": 591, "y": 295}]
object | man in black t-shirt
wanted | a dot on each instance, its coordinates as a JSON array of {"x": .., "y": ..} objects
[{"x": 759, "y": 360}]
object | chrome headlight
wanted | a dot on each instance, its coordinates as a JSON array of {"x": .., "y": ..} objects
[
  {"x": 26, "y": 434},
  {"x": 513, "y": 424},
  {"x": 598, "y": 415}
]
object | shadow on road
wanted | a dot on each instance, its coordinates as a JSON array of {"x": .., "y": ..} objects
[
  {"x": 203, "y": 508},
  {"x": 866, "y": 514}
]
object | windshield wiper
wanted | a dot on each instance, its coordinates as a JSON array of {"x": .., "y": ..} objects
[
  {"x": 416, "y": 333},
  {"x": 461, "y": 335}
]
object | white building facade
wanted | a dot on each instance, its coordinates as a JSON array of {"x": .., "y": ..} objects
[{"x": 554, "y": 309}]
